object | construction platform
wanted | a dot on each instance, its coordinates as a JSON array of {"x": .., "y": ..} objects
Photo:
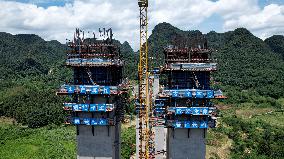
[
  {"x": 96, "y": 96},
  {"x": 183, "y": 104}
]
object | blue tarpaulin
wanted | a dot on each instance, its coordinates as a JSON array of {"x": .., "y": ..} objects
[
  {"x": 82, "y": 89},
  {"x": 194, "y": 124},
  {"x": 199, "y": 94},
  {"x": 175, "y": 93},
  {"x": 193, "y": 110},
  {"x": 102, "y": 122},
  {"x": 95, "y": 90},
  {"x": 188, "y": 94},
  {"x": 86, "y": 121},
  {"x": 191, "y": 124},
  {"x": 70, "y": 89},
  {"x": 106, "y": 90},
  {"x": 94, "y": 122},
  {"x": 187, "y": 124},
  {"x": 85, "y": 107},
  {"x": 93, "y": 107},
  {"x": 76, "y": 107},
  {"x": 210, "y": 94},
  {"x": 76, "y": 121},
  {"x": 102, "y": 107}
]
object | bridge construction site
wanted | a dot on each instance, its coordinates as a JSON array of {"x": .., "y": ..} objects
[{"x": 174, "y": 102}]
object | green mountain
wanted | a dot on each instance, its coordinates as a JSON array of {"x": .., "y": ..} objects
[
  {"x": 31, "y": 71},
  {"x": 27, "y": 54},
  {"x": 245, "y": 61},
  {"x": 276, "y": 43}
]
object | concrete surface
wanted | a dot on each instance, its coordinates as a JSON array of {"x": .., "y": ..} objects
[
  {"x": 180, "y": 146},
  {"x": 105, "y": 143}
]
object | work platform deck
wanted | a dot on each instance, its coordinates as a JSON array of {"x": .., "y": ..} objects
[{"x": 191, "y": 67}]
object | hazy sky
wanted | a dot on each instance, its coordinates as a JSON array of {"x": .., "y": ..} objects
[{"x": 57, "y": 19}]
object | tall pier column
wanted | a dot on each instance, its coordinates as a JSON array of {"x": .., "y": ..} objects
[{"x": 186, "y": 144}]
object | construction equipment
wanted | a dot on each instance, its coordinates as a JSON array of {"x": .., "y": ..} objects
[{"x": 146, "y": 144}]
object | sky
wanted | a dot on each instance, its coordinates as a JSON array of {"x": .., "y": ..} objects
[{"x": 57, "y": 19}]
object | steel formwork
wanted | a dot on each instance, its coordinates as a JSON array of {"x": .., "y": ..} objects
[{"x": 96, "y": 94}]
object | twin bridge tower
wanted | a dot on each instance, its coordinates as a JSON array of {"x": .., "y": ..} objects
[{"x": 181, "y": 107}]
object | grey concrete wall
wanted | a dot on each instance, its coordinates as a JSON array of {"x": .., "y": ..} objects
[
  {"x": 156, "y": 86},
  {"x": 104, "y": 143},
  {"x": 179, "y": 146},
  {"x": 137, "y": 138},
  {"x": 99, "y": 146},
  {"x": 160, "y": 142}
]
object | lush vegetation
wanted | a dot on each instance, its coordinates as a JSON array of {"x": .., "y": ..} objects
[
  {"x": 250, "y": 73},
  {"x": 17, "y": 141},
  {"x": 276, "y": 43},
  {"x": 252, "y": 134},
  {"x": 128, "y": 142},
  {"x": 46, "y": 142},
  {"x": 31, "y": 71}
]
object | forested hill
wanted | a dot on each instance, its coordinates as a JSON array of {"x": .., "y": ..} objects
[
  {"x": 31, "y": 71},
  {"x": 27, "y": 54},
  {"x": 276, "y": 43},
  {"x": 245, "y": 61}
]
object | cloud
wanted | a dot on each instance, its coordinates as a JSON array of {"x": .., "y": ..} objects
[
  {"x": 59, "y": 22},
  {"x": 263, "y": 23}
]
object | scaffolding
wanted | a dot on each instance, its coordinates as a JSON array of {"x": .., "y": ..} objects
[
  {"x": 96, "y": 96},
  {"x": 184, "y": 102}
]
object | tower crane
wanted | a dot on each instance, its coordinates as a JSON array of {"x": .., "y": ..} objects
[{"x": 146, "y": 144}]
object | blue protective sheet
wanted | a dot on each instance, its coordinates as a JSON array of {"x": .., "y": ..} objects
[
  {"x": 70, "y": 89},
  {"x": 95, "y": 90},
  {"x": 77, "y": 107},
  {"x": 102, "y": 122},
  {"x": 175, "y": 93},
  {"x": 85, "y": 107},
  {"x": 187, "y": 124},
  {"x": 210, "y": 94},
  {"x": 194, "y": 124},
  {"x": 93, "y": 107},
  {"x": 76, "y": 121},
  {"x": 82, "y": 89},
  {"x": 191, "y": 124},
  {"x": 106, "y": 90},
  {"x": 86, "y": 121},
  {"x": 188, "y": 94},
  {"x": 94, "y": 122},
  {"x": 193, "y": 110},
  {"x": 199, "y": 94},
  {"x": 102, "y": 107}
]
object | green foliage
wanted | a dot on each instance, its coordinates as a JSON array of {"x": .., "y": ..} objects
[
  {"x": 31, "y": 71},
  {"x": 128, "y": 142},
  {"x": 47, "y": 142},
  {"x": 130, "y": 60},
  {"x": 276, "y": 43},
  {"x": 33, "y": 107},
  {"x": 253, "y": 139},
  {"x": 27, "y": 54},
  {"x": 246, "y": 62}
]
